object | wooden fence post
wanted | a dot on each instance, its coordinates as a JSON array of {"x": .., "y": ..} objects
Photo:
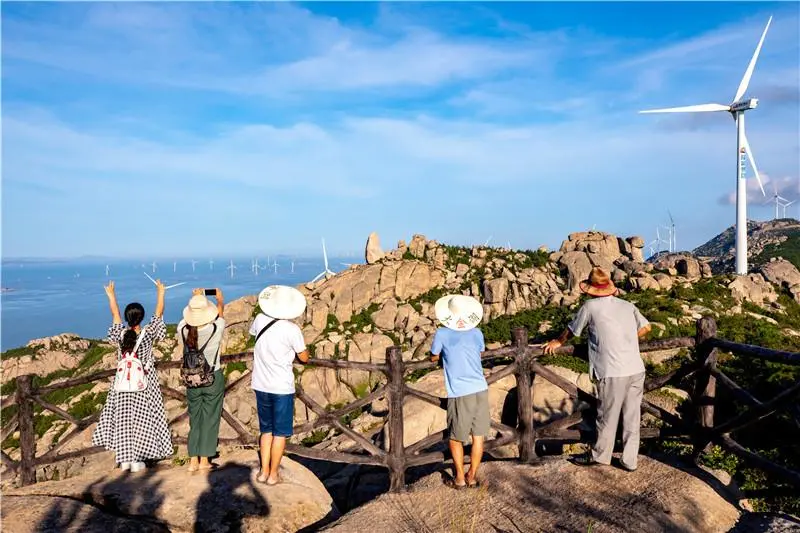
[
  {"x": 27, "y": 433},
  {"x": 527, "y": 433},
  {"x": 706, "y": 385},
  {"x": 395, "y": 459}
]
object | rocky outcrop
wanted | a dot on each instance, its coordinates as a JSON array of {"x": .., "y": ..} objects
[
  {"x": 683, "y": 264},
  {"x": 373, "y": 252},
  {"x": 753, "y": 288},
  {"x": 783, "y": 274},
  {"x": 585, "y": 250},
  {"x": 721, "y": 250},
  {"x": 552, "y": 496},
  {"x": 169, "y": 498}
]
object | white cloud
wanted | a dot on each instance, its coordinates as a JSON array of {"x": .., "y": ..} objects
[{"x": 788, "y": 187}]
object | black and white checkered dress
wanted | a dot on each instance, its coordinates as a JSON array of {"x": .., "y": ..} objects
[{"x": 134, "y": 424}]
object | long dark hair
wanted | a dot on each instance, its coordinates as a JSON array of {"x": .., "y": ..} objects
[
  {"x": 134, "y": 314},
  {"x": 191, "y": 337}
]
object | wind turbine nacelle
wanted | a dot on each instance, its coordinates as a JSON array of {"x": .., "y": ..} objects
[{"x": 744, "y": 105}]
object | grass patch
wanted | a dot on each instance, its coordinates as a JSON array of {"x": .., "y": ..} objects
[
  {"x": 316, "y": 437},
  {"x": 576, "y": 364},
  {"x": 241, "y": 366},
  {"x": 94, "y": 355},
  {"x": 22, "y": 351}
]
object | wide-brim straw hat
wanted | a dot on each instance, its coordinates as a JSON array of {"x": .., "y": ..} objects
[
  {"x": 598, "y": 284},
  {"x": 282, "y": 302},
  {"x": 200, "y": 311},
  {"x": 458, "y": 312}
]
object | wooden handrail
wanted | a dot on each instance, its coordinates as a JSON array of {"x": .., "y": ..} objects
[{"x": 521, "y": 360}]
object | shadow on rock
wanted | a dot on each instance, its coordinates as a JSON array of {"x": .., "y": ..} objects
[{"x": 230, "y": 497}]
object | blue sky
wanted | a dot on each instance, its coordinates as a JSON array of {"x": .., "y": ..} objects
[{"x": 182, "y": 128}]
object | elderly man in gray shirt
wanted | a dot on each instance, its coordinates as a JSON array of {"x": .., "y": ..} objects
[{"x": 615, "y": 327}]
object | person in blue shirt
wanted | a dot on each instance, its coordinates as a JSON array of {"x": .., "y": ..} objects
[{"x": 460, "y": 344}]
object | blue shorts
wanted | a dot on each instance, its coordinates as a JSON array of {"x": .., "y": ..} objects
[{"x": 275, "y": 413}]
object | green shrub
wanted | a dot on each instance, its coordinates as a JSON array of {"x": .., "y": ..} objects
[
  {"x": 241, "y": 366},
  {"x": 22, "y": 351}
]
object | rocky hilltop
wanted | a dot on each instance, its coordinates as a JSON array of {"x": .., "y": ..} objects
[
  {"x": 358, "y": 313},
  {"x": 765, "y": 240}
]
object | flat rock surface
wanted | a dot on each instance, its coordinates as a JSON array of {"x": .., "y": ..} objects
[
  {"x": 767, "y": 523},
  {"x": 554, "y": 496},
  {"x": 168, "y": 498}
]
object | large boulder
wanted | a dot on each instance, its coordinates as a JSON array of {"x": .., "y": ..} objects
[
  {"x": 373, "y": 252},
  {"x": 752, "y": 288},
  {"x": 169, "y": 498},
  {"x": 783, "y": 274},
  {"x": 553, "y": 496}
]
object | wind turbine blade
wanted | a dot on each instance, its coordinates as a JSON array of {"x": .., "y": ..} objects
[
  {"x": 749, "y": 72},
  {"x": 790, "y": 203},
  {"x": 324, "y": 254},
  {"x": 700, "y": 108},
  {"x": 779, "y": 197},
  {"x": 151, "y": 279},
  {"x": 671, "y": 221},
  {"x": 752, "y": 161}
]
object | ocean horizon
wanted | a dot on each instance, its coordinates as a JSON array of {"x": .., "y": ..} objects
[{"x": 45, "y": 297}]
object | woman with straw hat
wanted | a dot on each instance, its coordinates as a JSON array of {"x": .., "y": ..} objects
[
  {"x": 201, "y": 329},
  {"x": 460, "y": 345},
  {"x": 278, "y": 342},
  {"x": 615, "y": 327}
]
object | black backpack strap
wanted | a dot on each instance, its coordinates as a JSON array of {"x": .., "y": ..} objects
[
  {"x": 265, "y": 328},
  {"x": 213, "y": 331}
]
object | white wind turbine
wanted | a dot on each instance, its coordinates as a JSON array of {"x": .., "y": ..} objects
[
  {"x": 231, "y": 267},
  {"x": 174, "y": 266},
  {"x": 737, "y": 109},
  {"x": 154, "y": 266},
  {"x": 673, "y": 243},
  {"x": 327, "y": 270},
  {"x": 194, "y": 263},
  {"x": 275, "y": 266},
  {"x": 784, "y": 206},
  {"x": 211, "y": 264},
  {"x": 107, "y": 270},
  {"x": 777, "y": 198}
]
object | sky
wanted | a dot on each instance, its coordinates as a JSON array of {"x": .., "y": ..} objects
[{"x": 170, "y": 129}]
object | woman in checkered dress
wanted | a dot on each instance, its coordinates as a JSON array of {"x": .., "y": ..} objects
[{"x": 134, "y": 424}]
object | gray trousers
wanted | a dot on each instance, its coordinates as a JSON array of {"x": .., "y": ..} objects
[{"x": 617, "y": 396}]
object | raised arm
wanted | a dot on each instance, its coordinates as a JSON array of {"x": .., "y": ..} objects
[
  {"x": 112, "y": 302},
  {"x": 159, "y": 311},
  {"x": 220, "y": 302}
]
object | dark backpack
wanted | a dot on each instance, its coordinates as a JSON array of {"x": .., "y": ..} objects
[{"x": 196, "y": 372}]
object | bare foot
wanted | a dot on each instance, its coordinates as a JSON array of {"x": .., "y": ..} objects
[
  {"x": 261, "y": 478},
  {"x": 273, "y": 480},
  {"x": 193, "y": 465}
]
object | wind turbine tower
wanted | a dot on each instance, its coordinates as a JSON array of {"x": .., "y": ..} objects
[
  {"x": 107, "y": 270},
  {"x": 784, "y": 206},
  {"x": 154, "y": 266},
  {"x": 737, "y": 109},
  {"x": 193, "y": 264},
  {"x": 231, "y": 267}
]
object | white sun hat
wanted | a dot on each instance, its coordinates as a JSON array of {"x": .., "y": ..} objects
[
  {"x": 458, "y": 312},
  {"x": 200, "y": 311},
  {"x": 282, "y": 302}
]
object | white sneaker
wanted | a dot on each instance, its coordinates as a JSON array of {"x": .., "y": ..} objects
[
  {"x": 125, "y": 466},
  {"x": 137, "y": 467}
]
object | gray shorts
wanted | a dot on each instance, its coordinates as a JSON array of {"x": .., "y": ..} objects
[{"x": 468, "y": 416}]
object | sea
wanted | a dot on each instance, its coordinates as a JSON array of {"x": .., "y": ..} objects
[{"x": 42, "y": 298}]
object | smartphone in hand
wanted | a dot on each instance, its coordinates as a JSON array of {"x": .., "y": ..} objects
[{"x": 210, "y": 292}]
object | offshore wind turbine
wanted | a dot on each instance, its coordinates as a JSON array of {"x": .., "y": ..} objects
[
  {"x": 327, "y": 270},
  {"x": 193, "y": 264},
  {"x": 174, "y": 266},
  {"x": 231, "y": 267},
  {"x": 154, "y": 266},
  {"x": 211, "y": 264},
  {"x": 737, "y": 109},
  {"x": 107, "y": 268}
]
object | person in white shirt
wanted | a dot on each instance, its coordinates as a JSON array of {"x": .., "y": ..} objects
[
  {"x": 278, "y": 342},
  {"x": 615, "y": 327}
]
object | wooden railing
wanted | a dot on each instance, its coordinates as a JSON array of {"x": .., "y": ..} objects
[{"x": 519, "y": 359}]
